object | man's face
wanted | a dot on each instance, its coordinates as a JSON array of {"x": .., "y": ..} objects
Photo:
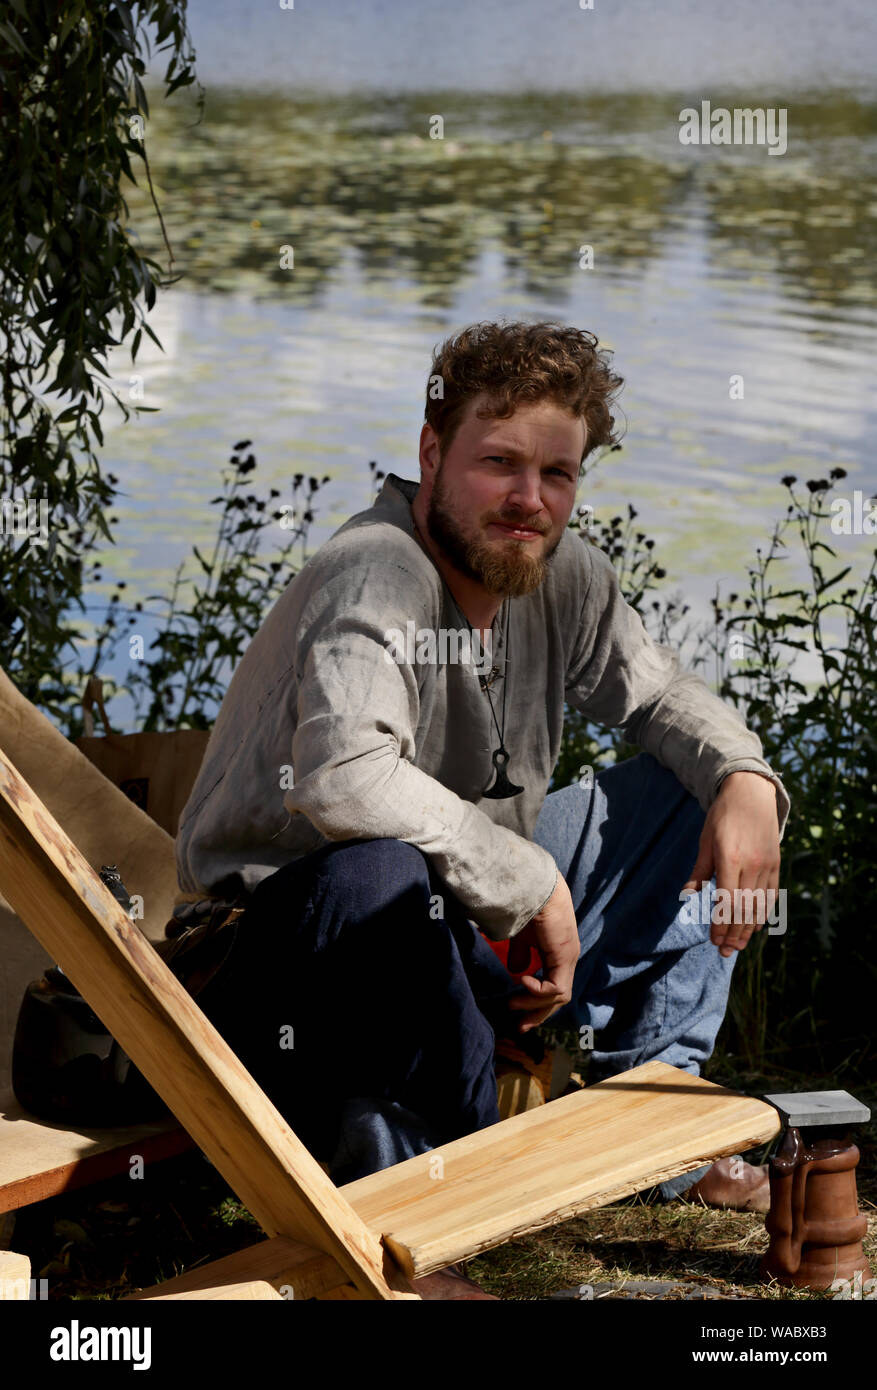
[{"x": 502, "y": 494}]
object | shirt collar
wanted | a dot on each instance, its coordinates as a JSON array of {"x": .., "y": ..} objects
[{"x": 396, "y": 497}]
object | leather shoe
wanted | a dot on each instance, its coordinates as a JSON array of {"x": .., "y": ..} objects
[{"x": 451, "y": 1283}]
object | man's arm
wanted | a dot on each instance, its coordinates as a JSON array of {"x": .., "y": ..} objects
[
  {"x": 740, "y": 845},
  {"x": 621, "y": 678},
  {"x": 352, "y": 753}
]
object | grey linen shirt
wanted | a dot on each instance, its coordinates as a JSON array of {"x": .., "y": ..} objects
[{"x": 328, "y": 732}]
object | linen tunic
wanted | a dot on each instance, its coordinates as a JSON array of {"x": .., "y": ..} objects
[{"x": 328, "y": 732}]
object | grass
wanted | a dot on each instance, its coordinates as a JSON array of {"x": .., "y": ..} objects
[
  {"x": 719, "y": 1250},
  {"x": 102, "y": 1242}
]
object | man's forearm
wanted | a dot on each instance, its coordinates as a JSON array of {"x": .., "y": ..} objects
[
  {"x": 501, "y": 879},
  {"x": 702, "y": 739},
  {"x": 621, "y": 678}
]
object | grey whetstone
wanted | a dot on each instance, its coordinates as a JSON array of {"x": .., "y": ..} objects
[{"x": 799, "y": 1108}]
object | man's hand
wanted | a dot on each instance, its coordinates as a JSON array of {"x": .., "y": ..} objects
[
  {"x": 740, "y": 844},
  {"x": 554, "y": 933}
]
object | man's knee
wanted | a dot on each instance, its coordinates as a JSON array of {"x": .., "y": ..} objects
[
  {"x": 383, "y": 882},
  {"x": 345, "y": 880},
  {"x": 645, "y": 771},
  {"x": 382, "y": 868}
]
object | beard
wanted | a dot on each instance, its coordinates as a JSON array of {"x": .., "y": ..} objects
[{"x": 505, "y": 567}]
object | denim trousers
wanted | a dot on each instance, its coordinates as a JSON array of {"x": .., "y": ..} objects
[{"x": 367, "y": 1005}]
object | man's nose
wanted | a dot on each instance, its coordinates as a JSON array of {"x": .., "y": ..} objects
[{"x": 525, "y": 495}]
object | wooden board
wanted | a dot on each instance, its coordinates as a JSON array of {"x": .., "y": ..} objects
[
  {"x": 181, "y": 1054},
  {"x": 517, "y": 1091},
  {"x": 579, "y": 1152},
  {"x": 105, "y": 826},
  {"x": 39, "y": 1159},
  {"x": 14, "y": 1277},
  {"x": 276, "y": 1268},
  {"x": 582, "y": 1151}
]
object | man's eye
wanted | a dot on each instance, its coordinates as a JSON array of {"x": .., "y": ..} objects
[{"x": 501, "y": 458}]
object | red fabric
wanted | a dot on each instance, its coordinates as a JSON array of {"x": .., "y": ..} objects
[{"x": 502, "y": 950}]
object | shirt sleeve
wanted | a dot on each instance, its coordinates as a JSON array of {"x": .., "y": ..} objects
[
  {"x": 620, "y": 678},
  {"x": 354, "y": 746}
]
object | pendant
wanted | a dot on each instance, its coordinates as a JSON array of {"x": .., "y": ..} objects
[{"x": 502, "y": 787}]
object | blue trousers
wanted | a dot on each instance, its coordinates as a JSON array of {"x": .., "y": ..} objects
[{"x": 367, "y": 1004}]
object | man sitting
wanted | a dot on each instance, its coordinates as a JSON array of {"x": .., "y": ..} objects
[{"x": 382, "y": 797}]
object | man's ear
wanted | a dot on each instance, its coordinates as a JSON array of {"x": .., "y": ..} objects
[{"x": 430, "y": 454}]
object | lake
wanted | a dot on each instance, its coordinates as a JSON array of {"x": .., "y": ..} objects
[{"x": 709, "y": 262}]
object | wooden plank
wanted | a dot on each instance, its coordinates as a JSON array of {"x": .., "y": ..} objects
[
  {"x": 510, "y": 1057},
  {"x": 275, "y": 1268},
  {"x": 548, "y": 1164},
  {"x": 252, "y": 1291},
  {"x": 39, "y": 1159},
  {"x": 77, "y": 920},
  {"x": 517, "y": 1091},
  {"x": 105, "y": 826},
  {"x": 14, "y": 1277}
]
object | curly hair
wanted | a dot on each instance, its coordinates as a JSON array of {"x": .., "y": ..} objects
[{"x": 516, "y": 363}]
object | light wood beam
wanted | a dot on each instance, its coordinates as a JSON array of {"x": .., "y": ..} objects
[{"x": 77, "y": 920}]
